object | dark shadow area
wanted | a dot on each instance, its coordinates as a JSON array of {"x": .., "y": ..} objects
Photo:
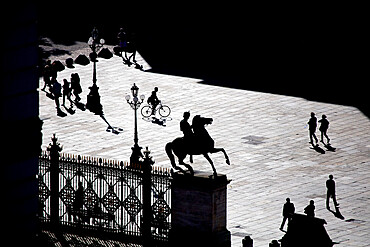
[
  {"x": 329, "y": 147},
  {"x": 160, "y": 121},
  {"x": 310, "y": 51},
  {"x": 318, "y": 149},
  {"x": 337, "y": 213},
  {"x": 306, "y": 52},
  {"x": 306, "y": 231},
  {"x": 110, "y": 128}
]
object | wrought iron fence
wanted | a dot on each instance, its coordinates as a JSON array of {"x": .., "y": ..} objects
[{"x": 102, "y": 195}]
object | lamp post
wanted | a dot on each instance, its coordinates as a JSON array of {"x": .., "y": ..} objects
[
  {"x": 135, "y": 104},
  {"x": 93, "y": 98}
]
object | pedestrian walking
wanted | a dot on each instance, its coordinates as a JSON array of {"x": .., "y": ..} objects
[
  {"x": 57, "y": 91},
  {"x": 312, "y": 124},
  {"x": 127, "y": 44},
  {"x": 122, "y": 39},
  {"x": 310, "y": 209},
  {"x": 76, "y": 86},
  {"x": 324, "y": 128},
  {"x": 330, "y": 185},
  {"x": 66, "y": 92},
  {"x": 54, "y": 71},
  {"x": 288, "y": 211},
  {"x": 46, "y": 74}
]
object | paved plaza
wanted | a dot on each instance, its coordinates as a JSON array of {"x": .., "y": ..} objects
[{"x": 265, "y": 136}]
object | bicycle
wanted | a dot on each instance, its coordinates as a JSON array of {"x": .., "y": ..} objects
[{"x": 148, "y": 110}]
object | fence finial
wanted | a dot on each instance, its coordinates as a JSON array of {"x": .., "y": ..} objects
[{"x": 54, "y": 148}]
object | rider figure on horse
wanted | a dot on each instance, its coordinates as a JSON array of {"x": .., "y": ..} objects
[{"x": 186, "y": 128}]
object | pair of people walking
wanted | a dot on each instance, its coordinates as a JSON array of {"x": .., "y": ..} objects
[
  {"x": 289, "y": 209},
  {"x": 312, "y": 125}
]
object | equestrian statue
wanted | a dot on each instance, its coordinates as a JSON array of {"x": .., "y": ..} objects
[{"x": 195, "y": 141}]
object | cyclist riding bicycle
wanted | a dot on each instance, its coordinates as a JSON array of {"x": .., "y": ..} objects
[{"x": 153, "y": 100}]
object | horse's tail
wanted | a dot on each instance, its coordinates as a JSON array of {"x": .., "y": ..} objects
[{"x": 170, "y": 154}]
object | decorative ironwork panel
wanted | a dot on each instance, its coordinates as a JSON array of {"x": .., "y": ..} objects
[
  {"x": 161, "y": 201},
  {"x": 67, "y": 194},
  {"x": 105, "y": 195},
  {"x": 44, "y": 187}
]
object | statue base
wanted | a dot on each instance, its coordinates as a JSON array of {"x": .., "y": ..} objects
[{"x": 199, "y": 210}]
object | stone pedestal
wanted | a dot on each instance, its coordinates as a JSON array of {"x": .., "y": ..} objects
[{"x": 199, "y": 210}]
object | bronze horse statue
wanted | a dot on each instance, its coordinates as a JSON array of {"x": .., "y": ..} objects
[{"x": 200, "y": 143}]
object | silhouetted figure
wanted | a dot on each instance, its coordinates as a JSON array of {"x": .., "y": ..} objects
[
  {"x": 76, "y": 86},
  {"x": 127, "y": 44},
  {"x": 57, "y": 92},
  {"x": 186, "y": 128},
  {"x": 153, "y": 100},
  {"x": 310, "y": 209},
  {"x": 288, "y": 211},
  {"x": 122, "y": 38},
  {"x": 312, "y": 124},
  {"x": 66, "y": 92},
  {"x": 46, "y": 74},
  {"x": 324, "y": 128},
  {"x": 79, "y": 199},
  {"x": 54, "y": 71},
  {"x": 330, "y": 185}
]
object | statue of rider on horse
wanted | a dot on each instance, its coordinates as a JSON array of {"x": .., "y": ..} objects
[{"x": 195, "y": 142}]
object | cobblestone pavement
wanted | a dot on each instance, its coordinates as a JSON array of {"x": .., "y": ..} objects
[{"x": 265, "y": 135}]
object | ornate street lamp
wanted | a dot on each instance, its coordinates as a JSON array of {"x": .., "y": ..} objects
[
  {"x": 135, "y": 104},
  {"x": 93, "y": 98}
]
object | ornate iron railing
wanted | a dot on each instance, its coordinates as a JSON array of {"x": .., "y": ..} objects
[{"x": 102, "y": 195}]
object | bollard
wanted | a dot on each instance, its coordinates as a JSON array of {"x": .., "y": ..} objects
[
  {"x": 247, "y": 242},
  {"x": 274, "y": 243}
]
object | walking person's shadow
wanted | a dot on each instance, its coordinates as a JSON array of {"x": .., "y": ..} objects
[
  {"x": 337, "y": 213},
  {"x": 329, "y": 147},
  {"x": 318, "y": 149},
  {"x": 110, "y": 128}
]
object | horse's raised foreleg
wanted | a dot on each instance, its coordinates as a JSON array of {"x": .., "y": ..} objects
[
  {"x": 211, "y": 162},
  {"x": 216, "y": 150}
]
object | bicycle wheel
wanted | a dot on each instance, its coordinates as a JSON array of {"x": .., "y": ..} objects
[
  {"x": 164, "y": 111},
  {"x": 146, "y": 111}
]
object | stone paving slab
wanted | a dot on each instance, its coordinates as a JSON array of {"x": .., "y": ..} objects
[{"x": 265, "y": 135}]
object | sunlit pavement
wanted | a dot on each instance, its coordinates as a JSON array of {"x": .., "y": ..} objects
[{"x": 265, "y": 136}]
